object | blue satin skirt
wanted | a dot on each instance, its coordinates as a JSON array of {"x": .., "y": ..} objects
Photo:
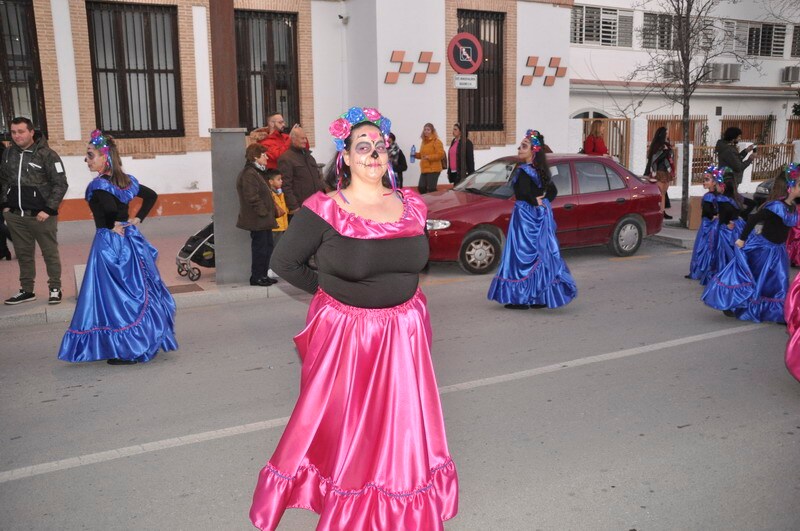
[
  {"x": 702, "y": 266},
  {"x": 124, "y": 309},
  {"x": 726, "y": 242},
  {"x": 754, "y": 283},
  {"x": 531, "y": 269}
]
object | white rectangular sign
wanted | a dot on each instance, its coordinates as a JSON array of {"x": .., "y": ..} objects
[{"x": 465, "y": 81}]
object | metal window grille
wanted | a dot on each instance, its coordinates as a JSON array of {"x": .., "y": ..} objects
[
  {"x": 135, "y": 69},
  {"x": 658, "y": 31},
  {"x": 482, "y": 108},
  {"x": 603, "y": 26},
  {"x": 266, "y": 67},
  {"x": 795, "y": 52},
  {"x": 764, "y": 40},
  {"x": 20, "y": 74}
]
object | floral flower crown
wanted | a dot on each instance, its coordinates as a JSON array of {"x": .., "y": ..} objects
[
  {"x": 102, "y": 144},
  {"x": 341, "y": 127},
  {"x": 535, "y": 138},
  {"x": 716, "y": 172},
  {"x": 792, "y": 173}
]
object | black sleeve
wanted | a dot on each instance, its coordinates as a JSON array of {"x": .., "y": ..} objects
[
  {"x": 708, "y": 210},
  {"x": 727, "y": 213},
  {"x": 299, "y": 243},
  {"x": 149, "y": 197},
  {"x": 402, "y": 164},
  {"x": 754, "y": 219},
  {"x": 104, "y": 209},
  {"x": 550, "y": 191},
  {"x": 523, "y": 190},
  {"x": 470, "y": 158}
]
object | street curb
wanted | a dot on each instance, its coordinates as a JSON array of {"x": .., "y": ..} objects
[
  {"x": 675, "y": 241},
  {"x": 62, "y": 313}
]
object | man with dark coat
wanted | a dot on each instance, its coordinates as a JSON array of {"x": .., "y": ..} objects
[
  {"x": 32, "y": 185},
  {"x": 301, "y": 178},
  {"x": 729, "y": 155}
]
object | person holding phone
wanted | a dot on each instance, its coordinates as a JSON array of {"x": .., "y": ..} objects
[{"x": 728, "y": 153}]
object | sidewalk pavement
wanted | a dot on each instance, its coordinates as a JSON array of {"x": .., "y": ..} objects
[{"x": 168, "y": 234}]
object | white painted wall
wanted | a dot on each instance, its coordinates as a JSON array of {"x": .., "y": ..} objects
[
  {"x": 410, "y": 106},
  {"x": 166, "y": 174},
  {"x": 67, "y": 75},
  {"x": 202, "y": 65}
]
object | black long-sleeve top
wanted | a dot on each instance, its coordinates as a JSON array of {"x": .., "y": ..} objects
[
  {"x": 367, "y": 273},
  {"x": 527, "y": 190},
  {"x": 773, "y": 229},
  {"x": 708, "y": 206},
  {"x": 107, "y": 209}
]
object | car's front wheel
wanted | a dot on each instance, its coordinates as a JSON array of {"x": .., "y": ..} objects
[
  {"x": 627, "y": 236},
  {"x": 480, "y": 252}
]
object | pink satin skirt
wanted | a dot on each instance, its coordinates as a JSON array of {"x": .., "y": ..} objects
[
  {"x": 365, "y": 447},
  {"x": 791, "y": 312}
]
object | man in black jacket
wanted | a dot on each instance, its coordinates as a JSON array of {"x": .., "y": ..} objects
[{"x": 32, "y": 184}]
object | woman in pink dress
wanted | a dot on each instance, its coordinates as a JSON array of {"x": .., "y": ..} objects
[
  {"x": 792, "y": 307},
  {"x": 365, "y": 447}
]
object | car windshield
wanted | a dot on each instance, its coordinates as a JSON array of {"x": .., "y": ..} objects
[{"x": 490, "y": 180}]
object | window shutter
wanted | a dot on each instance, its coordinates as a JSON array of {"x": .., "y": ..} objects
[
  {"x": 625, "y": 35},
  {"x": 608, "y": 27},
  {"x": 649, "y": 29},
  {"x": 576, "y": 25},
  {"x": 778, "y": 40}
]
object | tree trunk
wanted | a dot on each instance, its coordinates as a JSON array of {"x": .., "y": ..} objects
[{"x": 686, "y": 164}]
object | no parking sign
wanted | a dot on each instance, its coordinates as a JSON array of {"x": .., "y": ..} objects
[{"x": 465, "y": 53}]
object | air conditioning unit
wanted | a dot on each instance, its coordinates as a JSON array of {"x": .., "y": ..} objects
[
  {"x": 672, "y": 69},
  {"x": 725, "y": 72},
  {"x": 790, "y": 74}
]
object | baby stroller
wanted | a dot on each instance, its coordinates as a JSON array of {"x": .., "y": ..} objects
[{"x": 198, "y": 249}]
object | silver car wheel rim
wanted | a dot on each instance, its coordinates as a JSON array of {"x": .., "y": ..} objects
[
  {"x": 628, "y": 236},
  {"x": 480, "y": 254}
]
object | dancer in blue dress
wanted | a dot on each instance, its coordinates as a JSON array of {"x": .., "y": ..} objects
[
  {"x": 730, "y": 221},
  {"x": 532, "y": 273},
  {"x": 125, "y": 313},
  {"x": 753, "y": 285},
  {"x": 705, "y": 242}
]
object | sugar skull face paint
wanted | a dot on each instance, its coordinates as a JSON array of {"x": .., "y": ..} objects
[{"x": 368, "y": 157}]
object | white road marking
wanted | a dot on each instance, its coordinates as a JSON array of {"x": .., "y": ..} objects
[{"x": 129, "y": 451}]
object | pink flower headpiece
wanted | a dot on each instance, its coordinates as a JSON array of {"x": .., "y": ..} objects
[{"x": 341, "y": 127}]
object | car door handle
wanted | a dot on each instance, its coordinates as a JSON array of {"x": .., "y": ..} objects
[
  {"x": 620, "y": 200},
  {"x": 568, "y": 206}
]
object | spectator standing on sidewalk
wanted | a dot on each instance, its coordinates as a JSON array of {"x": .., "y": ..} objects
[
  {"x": 398, "y": 160},
  {"x": 594, "y": 143},
  {"x": 728, "y": 153},
  {"x": 431, "y": 154},
  {"x": 257, "y": 212},
  {"x": 455, "y": 173},
  {"x": 32, "y": 184},
  {"x": 301, "y": 178},
  {"x": 5, "y": 253}
]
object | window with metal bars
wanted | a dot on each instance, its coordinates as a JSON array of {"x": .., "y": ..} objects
[
  {"x": 21, "y": 91},
  {"x": 601, "y": 26},
  {"x": 657, "y": 31},
  {"x": 135, "y": 69},
  {"x": 795, "y": 51},
  {"x": 266, "y": 67},
  {"x": 754, "y": 38},
  {"x": 482, "y": 108}
]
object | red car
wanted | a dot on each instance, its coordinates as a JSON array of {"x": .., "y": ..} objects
[{"x": 599, "y": 202}]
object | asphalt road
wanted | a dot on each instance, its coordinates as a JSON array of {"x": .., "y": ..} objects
[{"x": 634, "y": 407}]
